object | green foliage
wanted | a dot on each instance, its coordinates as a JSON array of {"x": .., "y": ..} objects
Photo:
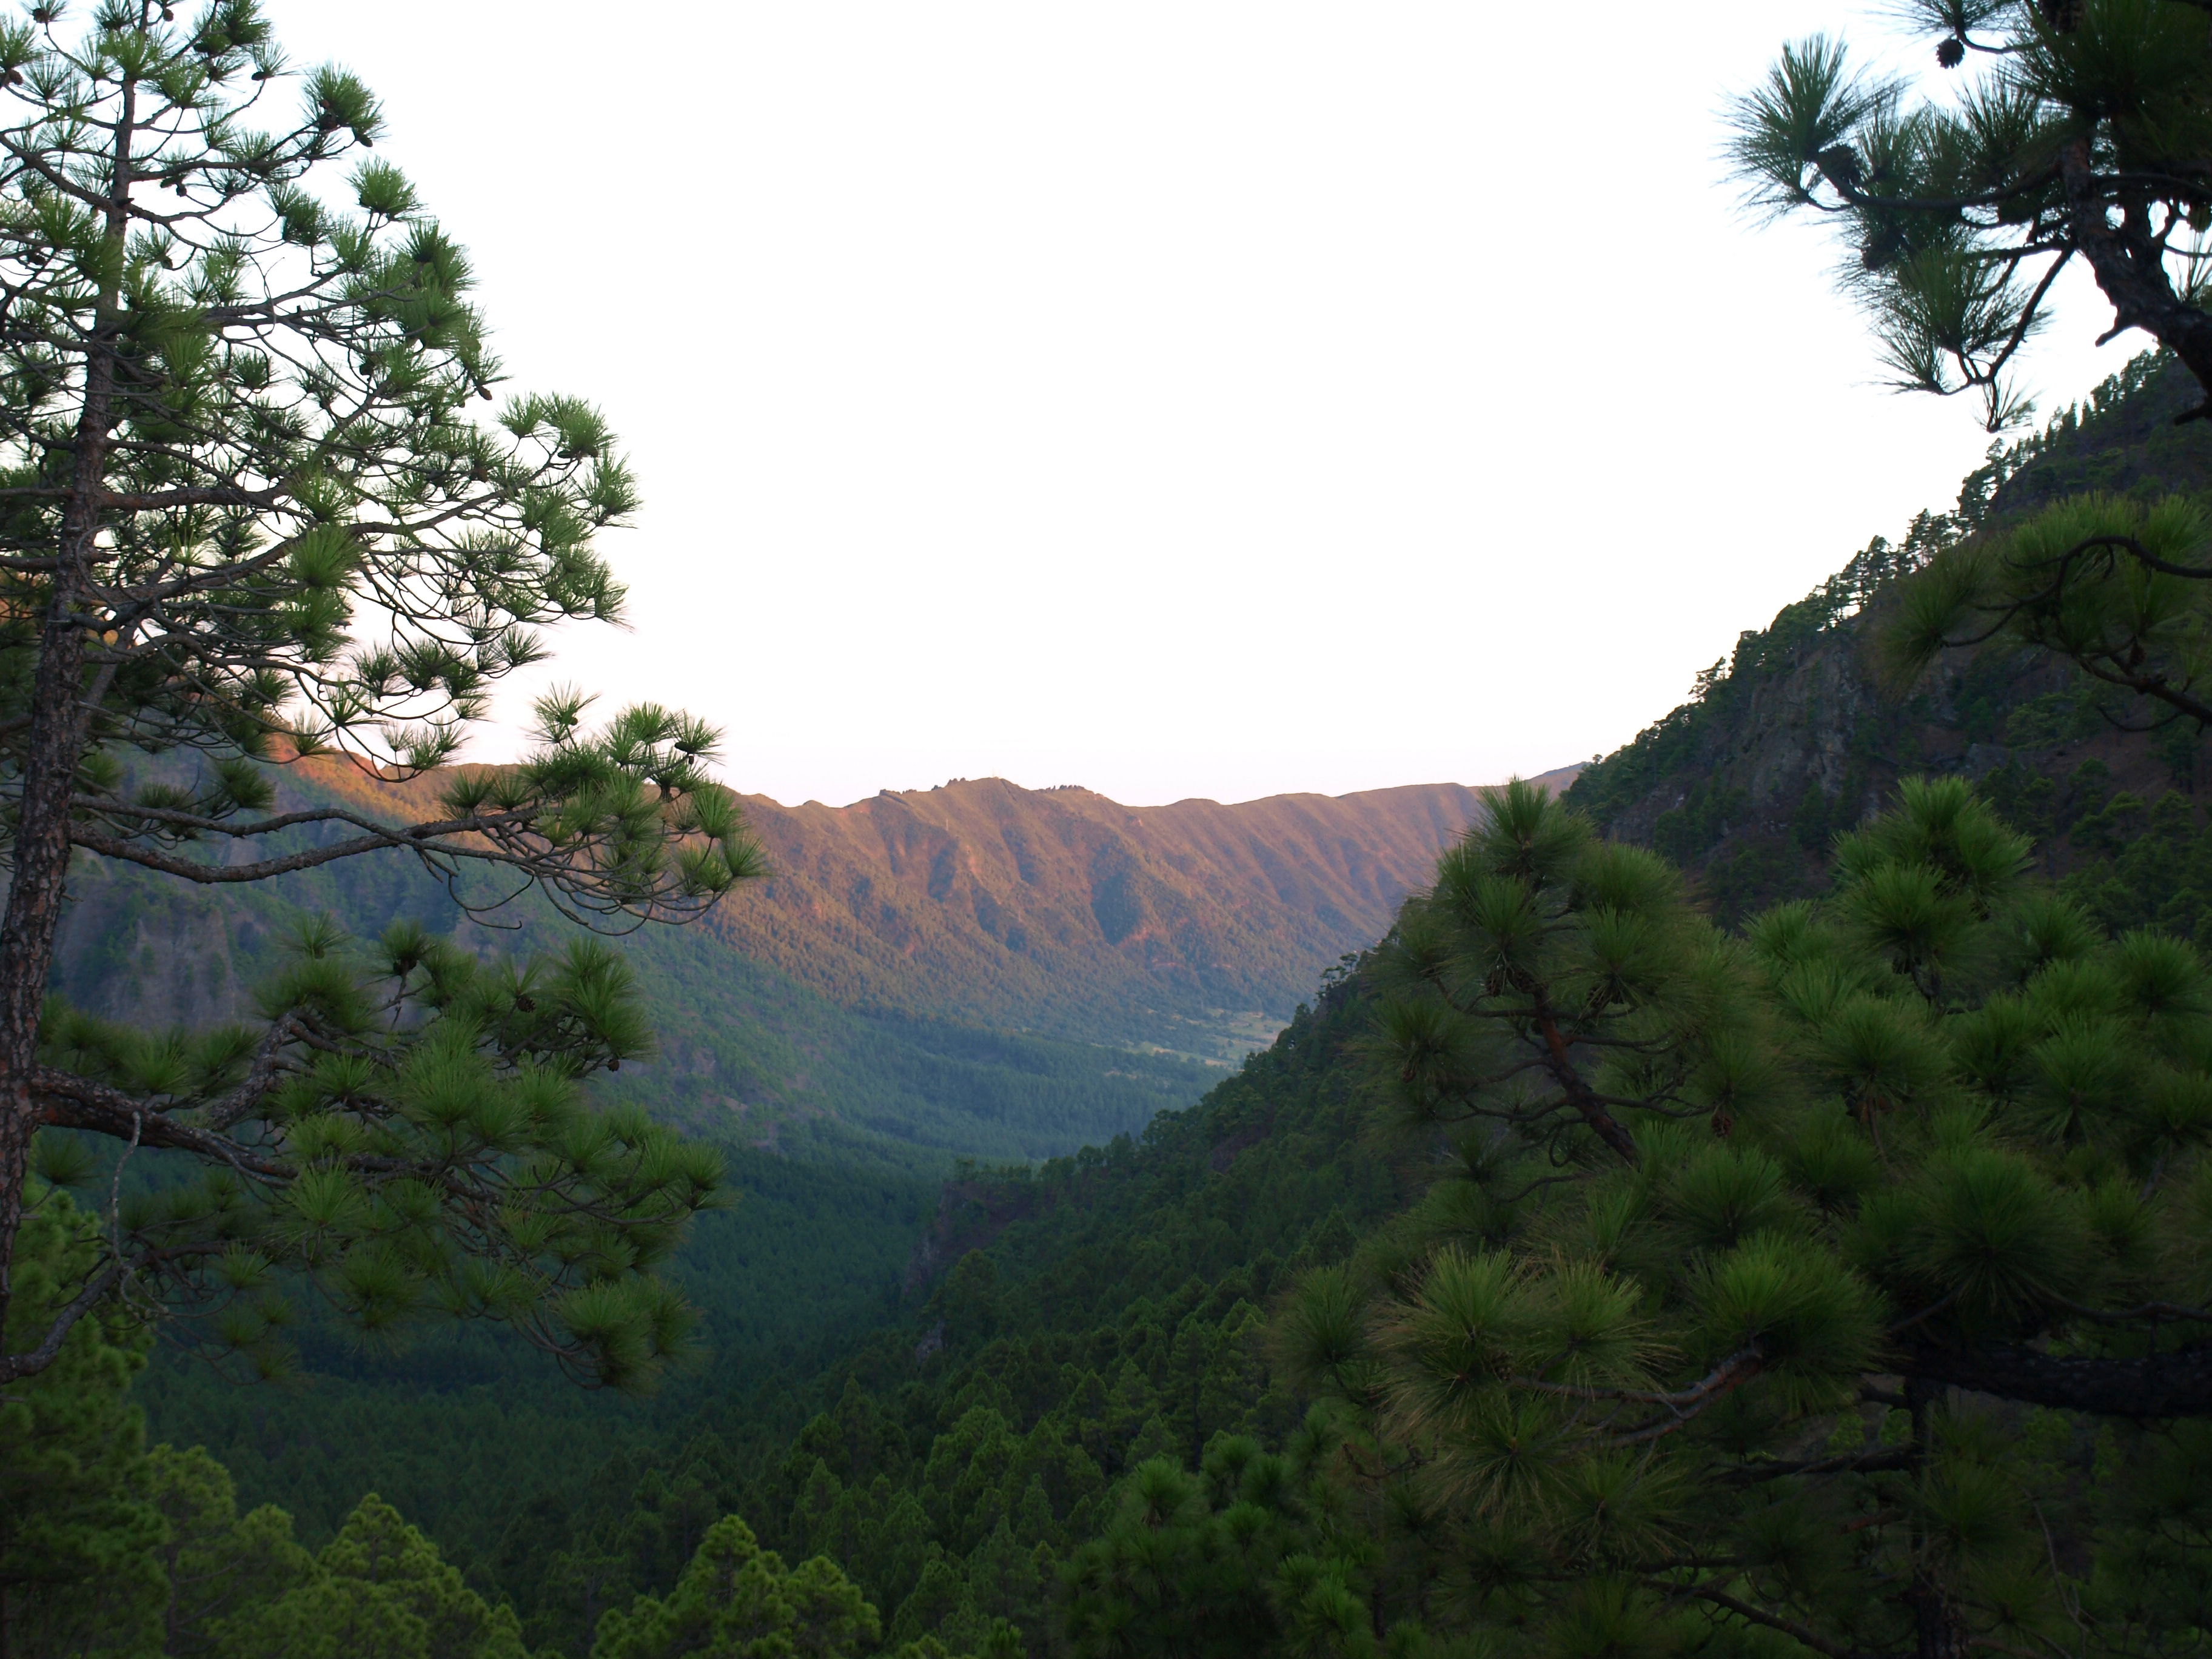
[
  {"x": 1254, "y": 1554},
  {"x": 2104, "y": 582},
  {"x": 302, "y": 531},
  {"x": 76, "y": 1532},
  {"x": 2146, "y": 864},
  {"x": 181, "y": 1574},
  {"x": 406, "y": 1132},
  {"x": 1540, "y": 950},
  {"x": 251, "y": 514},
  {"x": 1967, "y": 1127},
  {"x": 1116, "y": 1318},
  {"x": 1957, "y": 211},
  {"x": 737, "y": 1600},
  {"x": 950, "y": 1463},
  {"x": 379, "y": 1589},
  {"x": 1637, "y": 1404},
  {"x": 218, "y": 1565}
]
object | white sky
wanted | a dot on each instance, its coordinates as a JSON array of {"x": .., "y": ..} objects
[{"x": 1175, "y": 396}]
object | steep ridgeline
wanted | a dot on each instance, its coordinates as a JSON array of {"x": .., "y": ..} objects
[
  {"x": 1792, "y": 738},
  {"x": 1196, "y": 927},
  {"x": 977, "y": 969}
]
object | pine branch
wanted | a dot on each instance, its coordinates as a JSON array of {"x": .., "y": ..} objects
[
  {"x": 2177, "y": 1385},
  {"x": 1802, "y": 1634},
  {"x": 17, "y": 1366}
]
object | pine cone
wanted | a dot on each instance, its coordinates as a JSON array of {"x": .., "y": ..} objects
[
  {"x": 1952, "y": 52},
  {"x": 1881, "y": 247}
]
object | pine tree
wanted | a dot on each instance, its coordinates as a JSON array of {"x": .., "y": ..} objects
[
  {"x": 377, "y": 1590},
  {"x": 419, "y": 1147},
  {"x": 248, "y": 511},
  {"x": 217, "y": 1565},
  {"x": 76, "y": 1534},
  {"x": 2115, "y": 587},
  {"x": 2083, "y": 130},
  {"x": 1882, "y": 1324},
  {"x": 737, "y": 1600}
]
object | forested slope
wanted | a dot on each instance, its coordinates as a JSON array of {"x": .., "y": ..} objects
[
  {"x": 1110, "y": 1307},
  {"x": 954, "y": 1459},
  {"x": 951, "y": 1445},
  {"x": 1795, "y": 737}
]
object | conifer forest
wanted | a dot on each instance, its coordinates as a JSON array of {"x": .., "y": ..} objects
[{"x": 1747, "y": 1197}]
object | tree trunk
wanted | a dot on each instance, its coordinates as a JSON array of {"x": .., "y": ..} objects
[
  {"x": 55, "y": 744},
  {"x": 1560, "y": 1060},
  {"x": 2162, "y": 1385},
  {"x": 2131, "y": 272},
  {"x": 1938, "y": 1630}
]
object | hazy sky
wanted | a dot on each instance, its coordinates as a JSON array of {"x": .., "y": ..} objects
[{"x": 1202, "y": 397}]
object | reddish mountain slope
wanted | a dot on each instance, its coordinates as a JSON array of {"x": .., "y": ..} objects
[
  {"x": 1197, "y": 926},
  {"x": 1059, "y": 909}
]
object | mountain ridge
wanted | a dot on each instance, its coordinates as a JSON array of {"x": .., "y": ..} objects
[
  {"x": 900, "y": 990},
  {"x": 1094, "y": 918},
  {"x": 1195, "y": 926}
]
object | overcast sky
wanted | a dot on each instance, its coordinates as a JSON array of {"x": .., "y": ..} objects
[{"x": 1205, "y": 398}]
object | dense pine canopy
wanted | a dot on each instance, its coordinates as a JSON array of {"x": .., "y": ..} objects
[{"x": 1934, "y": 1130}]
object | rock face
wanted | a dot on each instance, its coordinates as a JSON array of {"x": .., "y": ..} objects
[
  {"x": 1059, "y": 909},
  {"x": 1815, "y": 727}
]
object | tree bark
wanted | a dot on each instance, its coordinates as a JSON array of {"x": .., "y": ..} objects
[
  {"x": 1938, "y": 1630},
  {"x": 1559, "y": 1059},
  {"x": 55, "y": 743},
  {"x": 2166, "y": 1385},
  {"x": 2131, "y": 274}
]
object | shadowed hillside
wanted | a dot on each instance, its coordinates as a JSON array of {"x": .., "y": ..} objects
[{"x": 1794, "y": 738}]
